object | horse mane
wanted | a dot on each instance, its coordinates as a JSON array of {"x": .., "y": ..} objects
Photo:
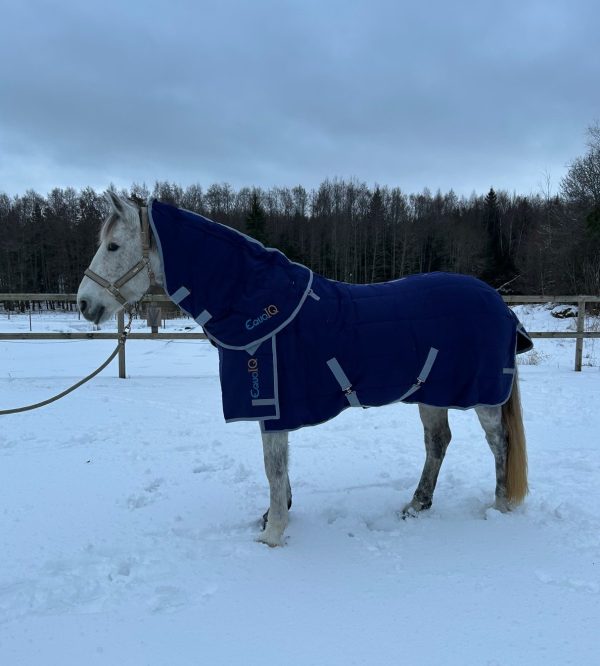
[{"x": 107, "y": 226}]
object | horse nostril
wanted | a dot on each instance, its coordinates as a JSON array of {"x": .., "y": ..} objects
[{"x": 82, "y": 306}]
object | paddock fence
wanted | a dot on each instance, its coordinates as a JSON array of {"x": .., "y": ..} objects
[{"x": 154, "y": 301}]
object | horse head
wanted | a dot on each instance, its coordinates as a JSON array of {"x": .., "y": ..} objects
[{"x": 121, "y": 270}]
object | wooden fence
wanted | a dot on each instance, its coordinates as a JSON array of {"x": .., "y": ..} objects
[{"x": 579, "y": 334}]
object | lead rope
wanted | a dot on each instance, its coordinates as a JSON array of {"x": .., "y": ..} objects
[{"x": 120, "y": 344}]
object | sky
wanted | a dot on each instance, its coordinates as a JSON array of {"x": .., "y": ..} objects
[{"x": 462, "y": 95}]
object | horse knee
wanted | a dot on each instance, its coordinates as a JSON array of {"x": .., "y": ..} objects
[
  {"x": 437, "y": 440},
  {"x": 436, "y": 429},
  {"x": 275, "y": 451}
]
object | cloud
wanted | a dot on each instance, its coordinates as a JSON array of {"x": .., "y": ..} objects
[{"x": 463, "y": 95}]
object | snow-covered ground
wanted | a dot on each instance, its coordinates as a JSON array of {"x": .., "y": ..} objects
[{"x": 128, "y": 512}]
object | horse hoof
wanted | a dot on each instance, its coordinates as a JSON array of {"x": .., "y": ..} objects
[
  {"x": 412, "y": 509},
  {"x": 502, "y": 505},
  {"x": 271, "y": 540},
  {"x": 409, "y": 512}
]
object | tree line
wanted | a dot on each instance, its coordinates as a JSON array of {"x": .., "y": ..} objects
[{"x": 343, "y": 229}]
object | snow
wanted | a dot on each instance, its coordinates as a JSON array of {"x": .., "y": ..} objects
[{"x": 129, "y": 511}]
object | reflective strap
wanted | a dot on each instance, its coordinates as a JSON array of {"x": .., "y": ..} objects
[
  {"x": 508, "y": 371},
  {"x": 312, "y": 294},
  {"x": 344, "y": 382},
  {"x": 180, "y": 294},
  {"x": 429, "y": 361},
  {"x": 411, "y": 390},
  {"x": 252, "y": 350},
  {"x": 203, "y": 317},
  {"x": 352, "y": 398},
  {"x": 425, "y": 370},
  {"x": 261, "y": 402}
]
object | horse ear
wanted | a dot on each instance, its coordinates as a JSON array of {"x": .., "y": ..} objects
[{"x": 115, "y": 201}]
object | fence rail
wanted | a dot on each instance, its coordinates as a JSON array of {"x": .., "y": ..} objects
[{"x": 579, "y": 335}]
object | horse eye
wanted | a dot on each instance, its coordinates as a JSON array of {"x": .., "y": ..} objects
[{"x": 112, "y": 247}]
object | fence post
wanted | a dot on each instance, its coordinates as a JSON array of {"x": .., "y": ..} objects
[
  {"x": 120, "y": 327},
  {"x": 580, "y": 329},
  {"x": 153, "y": 318}
]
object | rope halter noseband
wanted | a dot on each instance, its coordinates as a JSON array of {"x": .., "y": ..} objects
[{"x": 113, "y": 288}]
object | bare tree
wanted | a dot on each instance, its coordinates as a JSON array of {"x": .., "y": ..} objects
[{"x": 581, "y": 185}]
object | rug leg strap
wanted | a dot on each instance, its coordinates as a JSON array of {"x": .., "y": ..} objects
[
  {"x": 429, "y": 361},
  {"x": 344, "y": 382}
]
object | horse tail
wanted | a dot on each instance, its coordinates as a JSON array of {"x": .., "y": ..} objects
[{"x": 516, "y": 463}]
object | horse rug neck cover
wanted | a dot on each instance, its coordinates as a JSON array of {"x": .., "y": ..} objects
[{"x": 295, "y": 349}]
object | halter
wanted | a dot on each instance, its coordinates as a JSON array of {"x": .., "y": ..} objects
[{"x": 113, "y": 288}]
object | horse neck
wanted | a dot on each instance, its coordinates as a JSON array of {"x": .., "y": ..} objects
[{"x": 157, "y": 267}]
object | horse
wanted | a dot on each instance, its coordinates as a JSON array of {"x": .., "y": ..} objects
[{"x": 132, "y": 257}]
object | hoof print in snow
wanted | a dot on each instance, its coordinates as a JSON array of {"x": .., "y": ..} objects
[
  {"x": 270, "y": 540},
  {"x": 167, "y": 598},
  {"x": 150, "y": 495}
]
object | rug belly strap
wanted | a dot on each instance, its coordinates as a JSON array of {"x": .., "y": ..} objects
[{"x": 344, "y": 382}]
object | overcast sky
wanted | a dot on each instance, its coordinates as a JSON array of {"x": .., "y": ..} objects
[{"x": 438, "y": 94}]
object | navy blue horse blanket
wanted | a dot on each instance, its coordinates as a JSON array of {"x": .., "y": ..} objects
[{"x": 295, "y": 348}]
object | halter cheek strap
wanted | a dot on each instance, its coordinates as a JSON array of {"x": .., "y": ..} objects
[{"x": 113, "y": 288}]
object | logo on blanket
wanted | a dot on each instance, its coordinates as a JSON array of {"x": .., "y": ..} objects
[
  {"x": 267, "y": 313},
  {"x": 253, "y": 370}
]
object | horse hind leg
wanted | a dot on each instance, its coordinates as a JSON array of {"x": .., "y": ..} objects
[
  {"x": 437, "y": 438},
  {"x": 505, "y": 434},
  {"x": 275, "y": 520},
  {"x": 496, "y": 436}
]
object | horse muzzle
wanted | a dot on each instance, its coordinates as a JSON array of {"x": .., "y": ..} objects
[{"x": 92, "y": 312}]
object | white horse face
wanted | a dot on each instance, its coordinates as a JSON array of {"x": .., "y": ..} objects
[{"x": 120, "y": 249}]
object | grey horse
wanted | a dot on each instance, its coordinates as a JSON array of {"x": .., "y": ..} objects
[{"x": 125, "y": 266}]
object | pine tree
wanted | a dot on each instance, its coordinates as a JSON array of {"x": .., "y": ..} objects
[
  {"x": 256, "y": 220},
  {"x": 499, "y": 266}
]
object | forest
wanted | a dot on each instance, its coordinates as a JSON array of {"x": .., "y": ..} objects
[{"x": 543, "y": 243}]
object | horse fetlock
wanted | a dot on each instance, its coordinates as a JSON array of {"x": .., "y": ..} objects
[
  {"x": 273, "y": 534},
  {"x": 265, "y": 517},
  {"x": 264, "y": 520},
  {"x": 414, "y": 507},
  {"x": 408, "y": 512}
]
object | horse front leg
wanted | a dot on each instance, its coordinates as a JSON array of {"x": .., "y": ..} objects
[
  {"x": 437, "y": 438},
  {"x": 275, "y": 520}
]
